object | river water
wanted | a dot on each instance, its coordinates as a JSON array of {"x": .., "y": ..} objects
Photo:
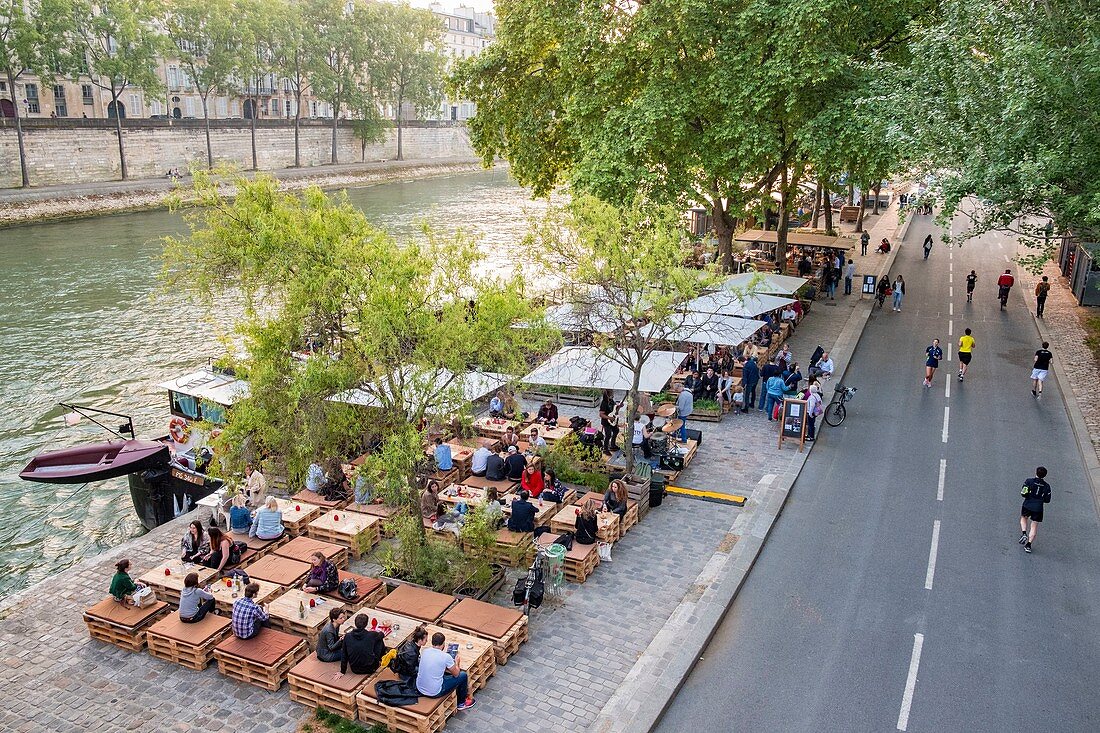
[{"x": 84, "y": 320}]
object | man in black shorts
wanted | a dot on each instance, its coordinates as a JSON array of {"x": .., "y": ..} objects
[
  {"x": 1036, "y": 493},
  {"x": 971, "y": 280},
  {"x": 1040, "y": 369}
]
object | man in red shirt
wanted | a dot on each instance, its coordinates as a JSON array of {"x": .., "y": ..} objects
[{"x": 1004, "y": 284}]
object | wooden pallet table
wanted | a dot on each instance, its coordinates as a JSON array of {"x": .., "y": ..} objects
[
  {"x": 580, "y": 561},
  {"x": 302, "y": 548},
  {"x": 225, "y": 595},
  {"x": 285, "y": 614},
  {"x": 607, "y": 523},
  {"x": 123, "y": 626},
  {"x": 369, "y": 591},
  {"x": 513, "y": 549},
  {"x": 476, "y": 656},
  {"x": 382, "y": 511},
  {"x": 265, "y": 660},
  {"x": 476, "y": 442},
  {"x": 318, "y": 684},
  {"x": 428, "y": 715},
  {"x": 168, "y": 587},
  {"x": 552, "y": 434},
  {"x": 297, "y": 514},
  {"x": 312, "y": 497},
  {"x": 504, "y": 627},
  {"x": 418, "y": 603},
  {"x": 461, "y": 456},
  {"x": 493, "y": 427},
  {"x": 358, "y": 532},
  {"x": 189, "y": 645},
  {"x": 503, "y": 486},
  {"x": 544, "y": 511},
  {"x": 630, "y": 518},
  {"x": 394, "y": 627},
  {"x": 279, "y": 570}
]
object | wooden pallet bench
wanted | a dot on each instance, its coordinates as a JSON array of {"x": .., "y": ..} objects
[
  {"x": 278, "y": 570},
  {"x": 285, "y": 615},
  {"x": 124, "y": 626},
  {"x": 505, "y": 627},
  {"x": 315, "y": 683},
  {"x": 443, "y": 535},
  {"x": 580, "y": 561},
  {"x": 417, "y": 603},
  {"x": 607, "y": 523},
  {"x": 265, "y": 660},
  {"x": 302, "y": 548},
  {"x": 260, "y": 547},
  {"x": 358, "y": 532},
  {"x": 225, "y": 595},
  {"x": 312, "y": 497},
  {"x": 503, "y": 486},
  {"x": 513, "y": 549},
  {"x": 297, "y": 514},
  {"x": 428, "y": 715},
  {"x": 477, "y": 656},
  {"x": 445, "y": 478},
  {"x": 383, "y": 511},
  {"x": 369, "y": 591},
  {"x": 168, "y": 587},
  {"x": 190, "y": 645}
]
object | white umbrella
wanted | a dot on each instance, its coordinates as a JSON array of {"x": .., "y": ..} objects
[
  {"x": 701, "y": 328},
  {"x": 729, "y": 304},
  {"x": 431, "y": 386},
  {"x": 768, "y": 283},
  {"x": 588, "y": 367}
]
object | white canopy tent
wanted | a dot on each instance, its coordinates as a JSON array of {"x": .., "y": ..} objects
[
  {"x": 767, "y": 283},
  {"x": 438, "y": 386},
  {"x": 729, "y": 304},
  {"x": 588, "y": 367},
  {"x": 568, "y": 317},
  {"x": 207, "y": 384},
  {"x": 701, "y": 328}
]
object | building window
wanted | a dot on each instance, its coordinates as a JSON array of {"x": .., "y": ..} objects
[
  {"x": 135, "y": 105},
  {"x": 59, "y": 107},
  {"x": 31, "y": 91},
  {"x": 289, "y": 110},
  {"x": 3, "y": 86},
  {"x": 189, "y": 106},
  {"x": 86, "y": 93},
  {"x": 286, "y": 85},
  {"x": 313, "y": 108},
  {"x": 222, "y": 107}
]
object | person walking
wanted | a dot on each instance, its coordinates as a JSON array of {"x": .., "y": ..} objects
[
  {"x": 750, "y": 377},
  {"x": 849, "y": 275},
  {"x": 966, "y": 351},
  {"x": 769, "y": 370},
  {"x": 971, "y": 281},
  {"x": 1036, "y": 493},
  {"x": 927, "y": 246},
  {"x": 934, "y": 353},
  {"x": 1042, "y": 289},
  {"x": 830, "y": 281},
  {"x": 864, "y": 240},
  {"x": 899, "y": 292},
  {"x": 685, "y": 405},
  {"x": 1040, "y": 368},
  {"x": 814, "y": 409}
]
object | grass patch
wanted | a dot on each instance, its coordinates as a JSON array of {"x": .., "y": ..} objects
[
  {"x": 1092, "y": 335},
  {"x": 325, "y": 722}
]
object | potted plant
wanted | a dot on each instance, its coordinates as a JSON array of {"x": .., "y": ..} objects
[{"x": 706, "y": 410}]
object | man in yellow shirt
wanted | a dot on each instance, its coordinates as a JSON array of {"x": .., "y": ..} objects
[{"x": 966, "y": 350}]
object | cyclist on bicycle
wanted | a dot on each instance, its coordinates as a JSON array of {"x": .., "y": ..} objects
[{"x": 1004, "y": 284}]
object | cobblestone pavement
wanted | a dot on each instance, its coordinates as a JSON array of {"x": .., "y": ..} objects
[{"x": 582, "y": 645}]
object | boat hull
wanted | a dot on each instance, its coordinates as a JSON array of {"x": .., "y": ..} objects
[
  {"x": 162, "y": 494},
  {"x": 95, "y": 462}
]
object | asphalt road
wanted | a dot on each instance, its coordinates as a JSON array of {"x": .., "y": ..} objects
[{"x": 825, "y": 633}]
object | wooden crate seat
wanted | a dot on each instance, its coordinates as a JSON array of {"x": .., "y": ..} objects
[
  {"x": 370, "y": 591},
  {"x": 428, "y": 715},
  {"x": 315, "y": 683},
  {"x": 513, "y": 549},
  {"x": 503, "y": 486},
  {"x": 505, "y": 627},
  {"x": 302, "y": 548},
  {"x": 580, "y": 561},
  {"x": 312, "y": 497},
  {"x": 278, "y": 570},
  {"x": 121, "y": 625},
  {"x": 264, "y": 660},
  {"x": 418, "y": 603},
  {"x": 191, "y": 645}
]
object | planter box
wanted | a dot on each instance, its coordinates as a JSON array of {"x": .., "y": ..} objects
[
  {"x": 484, "y": 594},
  {"x": 637, "y": 489},
  {"x": 706, "y": 415}
]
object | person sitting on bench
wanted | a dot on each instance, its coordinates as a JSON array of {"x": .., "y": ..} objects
[
  {"x": 324, "y": 577},
  {"x": 268, "y": 523},
  {"x": 614, "y": 499},
  {"x": 362, "y": 650},
  {"x": 249, "y": 617},
  {"x": 523, "y": 514},
  {"x": 587, "y": 527},
  {"x": 441, "y": 673},
  {"x": 494, "y": 467},
  {"x": 329, "y": 646},
  {"x": 480, "y": 460},
  {"x": 195, "y": 602}
]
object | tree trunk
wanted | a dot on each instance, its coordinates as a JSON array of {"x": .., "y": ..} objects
[
  {"x": 118, "y": 131},
  {"x": 255, "y": 158},
  {"x": 817, "y": 207},
  {"x": 24, "y": 176},
  {"x": 877, "y": 188},
  {"x": 723, "y": 232},
  {"x": 397, "y": 118},
  {"x": 206, "y": 129},
  {"x": 335, "y": 121},
  {"x": 862, "y": 211},
  {"x": 297, "y": 130},
  {"x": 828, "y": 206},
  {"x": 632, "y": 411},
  {"x": 784, "y": 217},
  {"x": 851, "y": 192}
]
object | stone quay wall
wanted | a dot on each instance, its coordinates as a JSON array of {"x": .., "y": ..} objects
[{"x": 86, "y": 150}]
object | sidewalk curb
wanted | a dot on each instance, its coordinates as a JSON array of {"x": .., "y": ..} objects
[{"x": 661, "y": 670}]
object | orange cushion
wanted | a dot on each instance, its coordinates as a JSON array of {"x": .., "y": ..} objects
[
  {"x": 121, "y": 615},
  {"x": 418, "y": 603},
  {"x": 197, "y": 633},
  {"x": 486, "y": 619},
  {"x": 266, "y": 648},
  {"x": 424, "y": 706},
  {"x": 277, "y": 569},
  {"x": 300, "y": 548},
  {"x": 313, "y": 669},
  {"x": 364, "y": 584},
  {"x": 312, "y": 497}
]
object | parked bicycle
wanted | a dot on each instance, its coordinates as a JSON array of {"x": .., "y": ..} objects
[
  {"x": 835, "y": 412},
  {"x": 545, "y": 575}
]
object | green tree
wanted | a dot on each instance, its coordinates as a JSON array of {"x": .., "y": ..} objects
[
  {"x": 285, "y": 42},
  {"x": 121, "y": 45},
  {"x": 1002, "y": 106},
  {"x": 255, "y": 61},
  {"x": 409, "y": 66},
  {"x": 207, "y": 36},
  {"x": 340, "y": 45},
  {"x": 393, "y": 322},
  {"x": 32, "y": 41},
  {"x": 628, "y": 283}
]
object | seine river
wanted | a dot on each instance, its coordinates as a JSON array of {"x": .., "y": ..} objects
[{"x": 84, "y": 320}]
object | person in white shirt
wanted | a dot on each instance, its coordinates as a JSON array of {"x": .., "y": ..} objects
[
  {"x": 849, "y": 275},
  {"x": 439, "y": 673},
  {"x": 535, "y": 441},
  {"x": 823, "y": 368},
  {"x": 788, "y": 314},
  {"x": 479, "y": 461},
  {"x": 255, "y": 486}
]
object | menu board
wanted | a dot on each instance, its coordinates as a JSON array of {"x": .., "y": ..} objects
[{"x": 792, "y": 422}]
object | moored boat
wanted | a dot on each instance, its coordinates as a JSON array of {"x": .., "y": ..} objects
[{"x": 95, "y": 461}]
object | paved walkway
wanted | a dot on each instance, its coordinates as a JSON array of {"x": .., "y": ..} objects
[{"x": 583, "y": 645}]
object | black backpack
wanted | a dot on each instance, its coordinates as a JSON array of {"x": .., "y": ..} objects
[
  {"x": 348, "y": 589},
  {"x": 565, "y": 539},
  {"x": 236, "y": 551},
  {"x": 538, "y": 590},
  {"x": 406, "y": 663}
]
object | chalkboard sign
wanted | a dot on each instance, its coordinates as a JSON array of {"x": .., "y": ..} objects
[
  {"x": 792, "y": 422},
  {"x": 869, "y": 284}
]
